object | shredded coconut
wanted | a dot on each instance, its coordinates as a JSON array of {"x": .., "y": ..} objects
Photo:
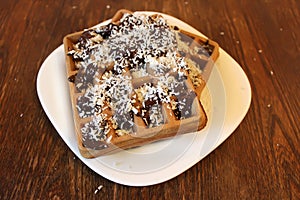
[{"x": 109, "y": 58}]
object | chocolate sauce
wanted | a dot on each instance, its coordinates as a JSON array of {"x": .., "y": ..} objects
[
  {"x": 180, "y": 88},
  {"x": 94, "y": 141},
  {"x": 85, "y": 77},
  {"x": 200, "y": 62},
  {"x": 176, "y": 28},
  {"x": 83, "y": 40},
  {"x": 185, "y": 38},
  {"x": 93, "y": 144},
  {"x": 124, "y": 121},
  {"x": 152, "y": 114},
  {"x": 105, "y": 31},
  {"x": 85, "y": 105},
  {"x": 183, "y": 108},
  {"x": 72, "y": 78}
]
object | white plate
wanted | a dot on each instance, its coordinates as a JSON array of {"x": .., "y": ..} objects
[{"x": 230, "y": 97}]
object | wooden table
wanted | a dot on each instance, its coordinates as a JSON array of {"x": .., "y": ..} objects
[{"x": 259, "y": 161}]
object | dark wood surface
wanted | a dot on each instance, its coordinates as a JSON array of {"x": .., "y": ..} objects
[{"x": 259, "y": 161}]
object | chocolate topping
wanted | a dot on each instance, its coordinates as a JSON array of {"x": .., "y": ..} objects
[
  {"x": 184, "y": 102},
  {"x": 72, "y": 78},
  {"x": 93, "y": 135},
  {"x": 112, "y": 57}
]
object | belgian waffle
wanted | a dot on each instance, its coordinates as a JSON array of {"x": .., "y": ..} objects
[{"x": 134, "y": 81}]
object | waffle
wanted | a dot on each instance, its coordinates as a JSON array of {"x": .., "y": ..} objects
[{"x": 134, "y": 81}]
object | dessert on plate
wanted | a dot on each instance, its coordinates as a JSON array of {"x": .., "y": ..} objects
[{"x": 136, "y": 80}]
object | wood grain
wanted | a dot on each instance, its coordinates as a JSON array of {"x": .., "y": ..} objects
[{"x": 259, "y": 161}]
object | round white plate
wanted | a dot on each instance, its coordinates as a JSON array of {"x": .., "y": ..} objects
[{"x": 229, "y": 99}]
